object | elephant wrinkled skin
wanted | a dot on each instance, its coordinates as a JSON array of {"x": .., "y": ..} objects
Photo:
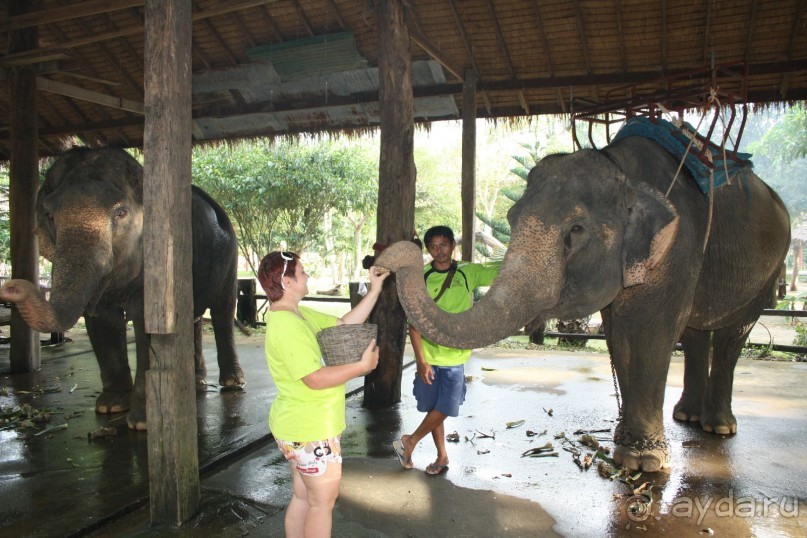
[
  {"x": 89, "y": 216},
  {"x": 596, "y": 230}
]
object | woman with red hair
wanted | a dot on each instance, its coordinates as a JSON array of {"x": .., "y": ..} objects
[{"x": 307, "y": 417}]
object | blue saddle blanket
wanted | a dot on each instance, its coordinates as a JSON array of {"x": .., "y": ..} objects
[{"x": 675, "y": 142}]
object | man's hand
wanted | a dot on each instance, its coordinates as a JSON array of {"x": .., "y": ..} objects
[{"x": 425, "y": 372}]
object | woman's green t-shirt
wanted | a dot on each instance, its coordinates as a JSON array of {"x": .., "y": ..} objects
[{"x": 299, "y": 413}]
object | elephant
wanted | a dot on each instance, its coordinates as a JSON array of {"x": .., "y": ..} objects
[
  {"x": 89, "y": 220},
  {"x": 597, "y": 230}
]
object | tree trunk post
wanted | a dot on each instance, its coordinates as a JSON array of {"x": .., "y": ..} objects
[
  {"x": 468, "y": 163},
  {"x": 396, "y": 193},
  {"x": 167, "y": 239},
  {"x": 24, "y": 183}
]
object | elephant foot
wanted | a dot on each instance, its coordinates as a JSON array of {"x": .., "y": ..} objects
[
  {"x": 687, "y": 411},
  {"x": 719, "y": 423},
  {"x": 648, "y": 454},
  {"x": 112, "y": 402},
  {"x": 233, "y": 380},
  {"x": 136, "y": 420}
]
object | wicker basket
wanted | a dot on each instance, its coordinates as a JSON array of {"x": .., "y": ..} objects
[{"x": 344, "y": 344}]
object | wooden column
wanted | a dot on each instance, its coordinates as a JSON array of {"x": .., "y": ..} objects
[
  {"x": 24, "y": 182},
  {"x": 468, "y": 163},
  {"x": 167, "y": 242},
  {"x": 396, "y": 192}
]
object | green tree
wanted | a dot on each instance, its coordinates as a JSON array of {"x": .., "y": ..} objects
[{"x": 285, "y": 191}]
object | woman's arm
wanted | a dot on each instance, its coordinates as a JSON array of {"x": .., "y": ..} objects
[
  {"x": 362, "y": 310},
  {"x": 333, "y": 376}
]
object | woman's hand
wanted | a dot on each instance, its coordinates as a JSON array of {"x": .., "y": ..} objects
[
  {"x": 369, "y": 358},
  {"x": 377, "y": 277}
]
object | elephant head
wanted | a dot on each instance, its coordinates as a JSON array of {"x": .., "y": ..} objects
[
  {"x": 581, "y": 233},
  {"x": 89, "y": 216}
]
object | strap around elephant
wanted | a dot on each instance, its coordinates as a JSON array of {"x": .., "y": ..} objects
[{"x": 447, "y": 282}]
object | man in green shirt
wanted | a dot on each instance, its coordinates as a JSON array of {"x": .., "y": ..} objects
[{"x": 439, "y": 386}]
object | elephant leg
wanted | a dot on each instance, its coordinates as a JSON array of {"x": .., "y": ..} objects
[
  {"x": 641, "y": 359},
  {"x": 726, "y": 347},
  {"x": 107, "y": 332},
  {"x": 223, "y": 315},
  {"x": 136, "y": 419},
  {"x": 198, "y": 356},
  {"x": 697, "y": 349}
]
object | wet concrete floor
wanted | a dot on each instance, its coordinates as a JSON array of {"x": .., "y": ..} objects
[{"x": 750, "y": 484}]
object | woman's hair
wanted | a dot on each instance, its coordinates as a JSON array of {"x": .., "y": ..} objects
[
  {"x": 438, "y": 231},
  {"x": 272, "y": 269}
]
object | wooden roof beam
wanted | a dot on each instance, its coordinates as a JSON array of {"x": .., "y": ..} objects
[
  {"x": 111, "y": 60},
  {"x": 303, "y": 18},
  {"x": 76, "y": 92},
  {"x": 275, "y": 28},
  {"x": 707, "y": 29},
  {"x": 621, "y": 33},
  {"x": 663, "y": 59},
  {"x": 66, "y": 13},
  {"x": 542, "y": 32},
  {"x": 337, "y": 14},
  {"x": 222, "y": 43},
  {"x": 522, "y": 97},
  {"x": 581, "y": 30},
  {"x": 469, "y": 51},
  {"x": 750, "y": 34},
  {"x": 423, "y": 42},
  {"x": 228, "y": 7}
]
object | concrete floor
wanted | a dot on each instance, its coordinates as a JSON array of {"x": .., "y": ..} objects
[{"x": 749, "y": 484}]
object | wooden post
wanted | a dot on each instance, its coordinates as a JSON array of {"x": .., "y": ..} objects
[
  {"x": 468, "y": 163},
  {"x": 396, "y": 193},
  {"x": 24, "y": 182},
  {"x": 167, "y": 242}
]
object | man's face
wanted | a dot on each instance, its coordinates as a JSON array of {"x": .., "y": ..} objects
[{"x": 441, "y": 248}]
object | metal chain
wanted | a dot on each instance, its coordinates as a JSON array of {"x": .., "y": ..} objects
[{"x": 616, "y": 390}]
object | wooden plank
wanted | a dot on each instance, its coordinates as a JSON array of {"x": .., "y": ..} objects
[
  {"x": 167, "y": 243},
  {"x": 77, "y": 92},
  {"x": 24, "y": 182},
  {"x": 396, "y": 194},
  {"x": 468, "y": 164},
  {"x": 66, "y": 13}
]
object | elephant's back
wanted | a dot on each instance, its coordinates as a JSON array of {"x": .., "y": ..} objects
[{"x": 214, "y": 251}]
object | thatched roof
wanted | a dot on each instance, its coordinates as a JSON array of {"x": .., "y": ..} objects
[{"x": 278, "y": 67}]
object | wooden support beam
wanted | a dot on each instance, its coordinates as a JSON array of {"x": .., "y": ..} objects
[
  {"x": 228, "y": 7},
  {"x": 174, "y": 490},
  {"x": 396, "y": 193},
  {"x": 66, "y": 13},
  {"x": 468, "y": 164},
  {"x": 76, "y": 92},
  {"x": 24, "y": 182}
]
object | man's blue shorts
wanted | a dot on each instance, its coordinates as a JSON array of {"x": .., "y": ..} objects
[{"x": 446, "y": 392}]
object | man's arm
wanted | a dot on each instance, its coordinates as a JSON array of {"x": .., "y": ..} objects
[{"x": 425, "y": 372}]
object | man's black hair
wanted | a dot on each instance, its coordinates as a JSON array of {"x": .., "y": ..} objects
[{"x": 438, "y": 231}]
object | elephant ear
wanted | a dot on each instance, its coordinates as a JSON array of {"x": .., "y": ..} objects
[{"x": 651, "y": 230}]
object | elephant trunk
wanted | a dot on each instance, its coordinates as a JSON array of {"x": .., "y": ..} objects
[
  {"x": 79, "y": 265},
  {"x": 528, "y": 283}
]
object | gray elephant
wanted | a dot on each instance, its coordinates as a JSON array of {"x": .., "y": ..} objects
[
  {"x": 596, "y": 230},
  {"x": 89, "y": 216}
]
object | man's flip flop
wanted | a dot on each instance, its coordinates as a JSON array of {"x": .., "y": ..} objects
[
  {"x": 397, "y": 446},
  {"x": 436, "y": 468}
]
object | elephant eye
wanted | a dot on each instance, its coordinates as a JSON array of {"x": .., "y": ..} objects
[
  {"x": 576, "y": 229},
  {"x": 121, "y": 212}
]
